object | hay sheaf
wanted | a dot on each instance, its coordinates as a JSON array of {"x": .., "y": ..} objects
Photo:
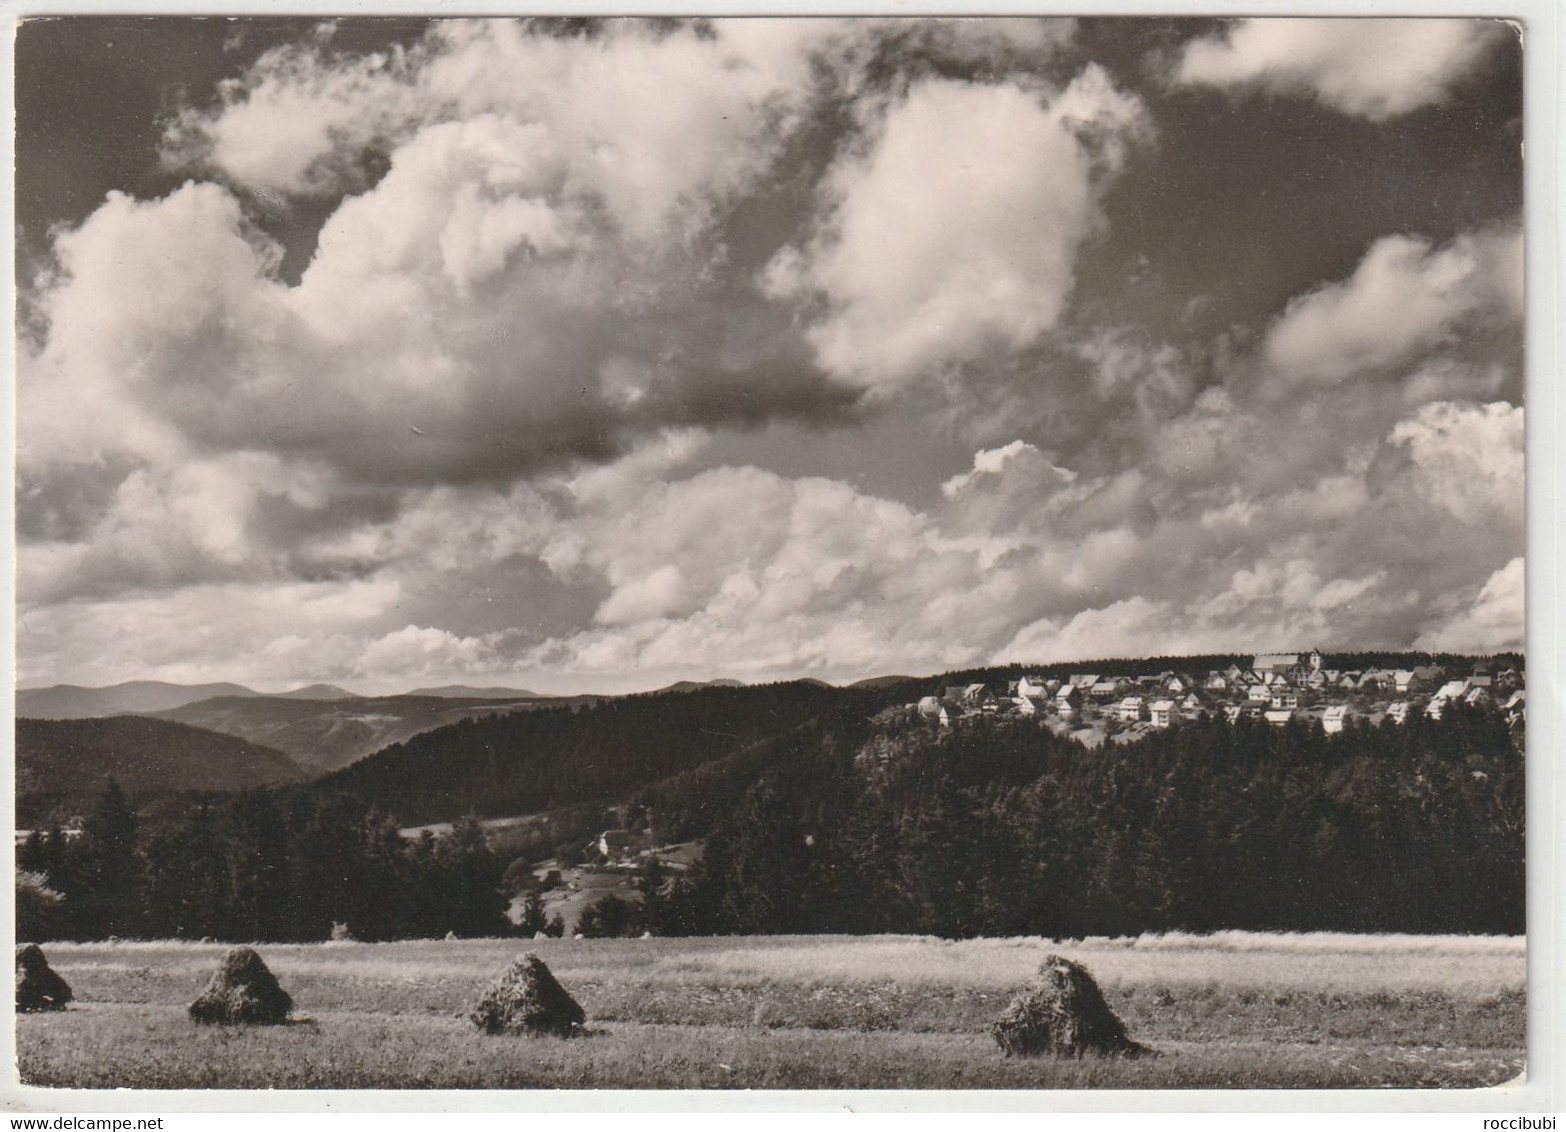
[
  {"x": 527, "y": 999},
  {"x": 242, "y": 992},
  {"x": 38, "y": 988},
  {"x": 1062, "y": 1013}
]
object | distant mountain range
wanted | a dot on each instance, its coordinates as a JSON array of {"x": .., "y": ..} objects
[
  {"x": 72, "y": 701},
  {"x": 62, "y": 765}
]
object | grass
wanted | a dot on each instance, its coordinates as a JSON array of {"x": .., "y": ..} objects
[{"x": 1231, "y": 1011}]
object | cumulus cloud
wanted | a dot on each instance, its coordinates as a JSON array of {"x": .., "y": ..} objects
[
  {"x": 298, "y": 123},
  {"x": 1376, "y": 69},
  {"x": 1133, "y": 627},
  {"x": 747, "y": 572},
  {"x": 984, "y": 253},
  {"x": 1405, "y": 299},
  {"x": 534, "y": 272},
  {"x": 807, "y": 574},
  {"x": 476, "y": 435},
  {"x": 453, "y": 325},
  {"x": 653, "y": 122},
  {"x": 1488, "y": 620},
  {"x": 1467, "y": 459}
]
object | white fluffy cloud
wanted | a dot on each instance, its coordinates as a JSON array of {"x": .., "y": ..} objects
[
  {"x": 651, "y": 123},
  {"x": 983, "y": 252},
  {"x": 1468, "y": 460},
  {"x": 1370, "y": 68},
  {"x": 1488, "y": 620},
  {"x": 1405, "y": 299},
  {"x": 743, "y": 571},
  {"x": 293, "y": 125},
  {"x": 468, "y": 440},
  {"x": 739, "y": 571}
]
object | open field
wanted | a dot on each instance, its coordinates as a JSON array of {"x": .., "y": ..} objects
[{"x": 1236, "y": 1010}]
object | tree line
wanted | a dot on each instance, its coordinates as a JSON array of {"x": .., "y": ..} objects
[
  {"x": 843, "y": 823},
  {"x": 1006, "y": 829},
  {"x": 529, "y": 762},
  {"x": 257, "y": 868}
]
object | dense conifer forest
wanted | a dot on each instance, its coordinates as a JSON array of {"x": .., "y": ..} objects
[
  {"x": 1003, "y": 828},
  {"x": 533, "y": 761},
  {"x": 832, "y": 810}
]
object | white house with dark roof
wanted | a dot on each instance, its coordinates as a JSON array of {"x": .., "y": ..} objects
[
  {"x": 1031, "y": 706},
  {"x": 1276, "y": 662},
  {"x": 1032, "y": 686},
  {"x": 1161, "y": 713}
]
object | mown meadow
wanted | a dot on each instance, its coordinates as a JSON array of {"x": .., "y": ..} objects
[{"x": 1233, "y": 1010}]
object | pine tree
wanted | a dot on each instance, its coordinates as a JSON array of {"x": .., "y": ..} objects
[
  {"x": 475, "y": 903},
  {"x": 260, "y": 869},
  {"x": 189, "y": 893},
  {"x": 108, "y": 869},
  {"x": 533, "y": 920},
  {"x": 607, "y": 918}
]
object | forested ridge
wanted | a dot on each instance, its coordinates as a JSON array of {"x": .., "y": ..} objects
[
  {"x": 532, "y": 761},
  {"x": 61, "y": 765},
  {"x": 835, "y": 810},
  {"x": 1007, "y": 829}
]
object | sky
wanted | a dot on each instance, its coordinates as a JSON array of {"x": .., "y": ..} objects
[{"x": 588, "y": 356}]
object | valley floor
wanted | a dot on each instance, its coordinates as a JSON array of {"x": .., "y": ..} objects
[{"x": 1237, "y": 1010}]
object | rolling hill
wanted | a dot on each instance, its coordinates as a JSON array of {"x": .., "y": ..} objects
[
  {"x": 317, "y": 692},
  {"x": 463, "y": 692},
  {"x": 71, "y": 701},
  {"x": 144, "y": 697},
  {"x": 323, "y": 735},
  {"x": 694, "y": 686},
  {"x": 62, "y": 764},
  {"x": 530, "y": 761}
]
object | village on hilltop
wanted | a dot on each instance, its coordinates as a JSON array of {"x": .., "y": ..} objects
[{"x": 1277, "y": 688}]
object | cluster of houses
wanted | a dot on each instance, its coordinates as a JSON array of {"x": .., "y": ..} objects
[{"x": 1276, "y": 687}]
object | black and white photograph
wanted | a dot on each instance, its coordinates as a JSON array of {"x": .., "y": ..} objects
[{"x": 739, "y": 553}]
